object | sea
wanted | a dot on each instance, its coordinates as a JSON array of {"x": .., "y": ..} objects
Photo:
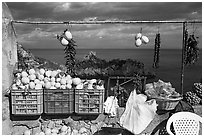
[{"x": 169, "y": 66}]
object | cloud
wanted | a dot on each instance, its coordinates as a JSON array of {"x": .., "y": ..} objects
[
  {"x": 104, "y": 10},
  {"x": 63, "y": 7},
  {"x": 110, "y": 34}
]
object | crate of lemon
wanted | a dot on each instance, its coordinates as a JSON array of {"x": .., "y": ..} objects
[
  {"x": 164, "y": 94},
  {"x": 59, "y": 90},
  {"x": 30, "y": 85},
  {"x": 27, "y": 93}
]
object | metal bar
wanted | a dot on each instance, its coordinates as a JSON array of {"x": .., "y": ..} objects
[
  {"x": 183, "y": 56},
  {"x": 125, "y": 82},
  {"x": 100, "y": 22}
]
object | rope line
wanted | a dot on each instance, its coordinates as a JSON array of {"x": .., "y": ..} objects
[{"x": 100, "y": 22}]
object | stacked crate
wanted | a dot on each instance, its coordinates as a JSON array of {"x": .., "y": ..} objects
[{"x": 27, "y": 102}]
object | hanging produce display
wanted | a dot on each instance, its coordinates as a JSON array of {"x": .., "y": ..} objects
[
  {"x": 194, "y": 96},
  {"x": 191, "y": 49},
  {"x": 156, "y": 51},
  {"x": 139, "y": 39},
  {"x": 66, "y": 40}
]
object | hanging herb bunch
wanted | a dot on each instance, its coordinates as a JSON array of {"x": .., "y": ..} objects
[
  {"x": 156, "y": 51},
  {"x": 67, "y": 41},
  {"x": 191, "y": 49}
]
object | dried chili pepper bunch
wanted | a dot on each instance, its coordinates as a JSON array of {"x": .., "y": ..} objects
[
  {"x": 191, "y": 49},
  {"x": 156, "y": 51},
  {"x": 66, "y": 40}
]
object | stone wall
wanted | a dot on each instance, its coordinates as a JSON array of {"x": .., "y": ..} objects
[{"x": 9, "y": 59}]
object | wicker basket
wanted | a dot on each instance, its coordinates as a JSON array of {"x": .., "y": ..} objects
[{"x": 167, "y": 103}]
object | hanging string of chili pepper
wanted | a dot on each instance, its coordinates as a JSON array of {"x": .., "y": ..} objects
[
  {"x": 156, "y": 51},
  {"x": 66, "y": 40},
  {"x": 191, "y": 49},
  {"x": 70, "y": 53}
]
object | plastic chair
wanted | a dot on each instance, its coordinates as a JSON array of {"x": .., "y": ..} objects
[{"x": 184, "y": 123}]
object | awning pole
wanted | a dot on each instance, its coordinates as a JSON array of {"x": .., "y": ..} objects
[{"x": 183, "y": 56}]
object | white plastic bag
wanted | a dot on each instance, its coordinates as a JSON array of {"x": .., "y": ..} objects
[
  {"x": 138, "y": 113},
  {"x": 111, "y": 105}
]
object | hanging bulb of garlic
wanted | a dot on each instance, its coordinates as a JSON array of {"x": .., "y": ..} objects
[
  {"x": 145, "y": 39},
  {"x": 139, "y": 35},
  {"x": 138, "y": 42},
  {"x": 68, "y": 34},
  {"x": 62, "y": 40}
]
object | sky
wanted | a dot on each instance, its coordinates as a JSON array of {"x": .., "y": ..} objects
[{"x": 104, "y": 35}]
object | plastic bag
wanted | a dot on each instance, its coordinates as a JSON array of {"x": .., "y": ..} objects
[
  {"x": 138, "y": 113},
  {"x": 111, "y": 105}
]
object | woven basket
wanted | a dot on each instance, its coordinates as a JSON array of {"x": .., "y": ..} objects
[
  {"x": 164, "y": 103},
  {"x": 167, "y": 103}
]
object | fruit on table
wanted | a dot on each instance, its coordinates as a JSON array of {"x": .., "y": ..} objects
[
  {"x": 52, "y": 79},
  {"x": 63, "y": 81},
  {"x": 76, "y": 81},
  {"x": 52, "y": 87},
  {"x": 80, "y": 86},
  {"x": 25, "y": 80},
  {"x": 40, "y": 77},
  {"x": 63, "y": 87},
  {"x": 46, "y": 79},
  {"x": 42, "y": 83},
  {"x": 32, "y": 85},
  {"x": 37, "y": 81},
  {"x": 32, "y": 77},
  {"x": 69, "y": 81},
  {"x": 47, "y": 85},
  {"x": 14, "y": 86},
  {"x": 48, "y": 73},
  {"x": 54, "y": 73},
  {"x": 58, "y": 79},
  {"x": 69, "y": 86},
  {"x": 31, "y": 71},
  {"x": 24, "y": 74},
  {"x": 38, "y": 86},
  {"x": 42, "y": 71}
]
